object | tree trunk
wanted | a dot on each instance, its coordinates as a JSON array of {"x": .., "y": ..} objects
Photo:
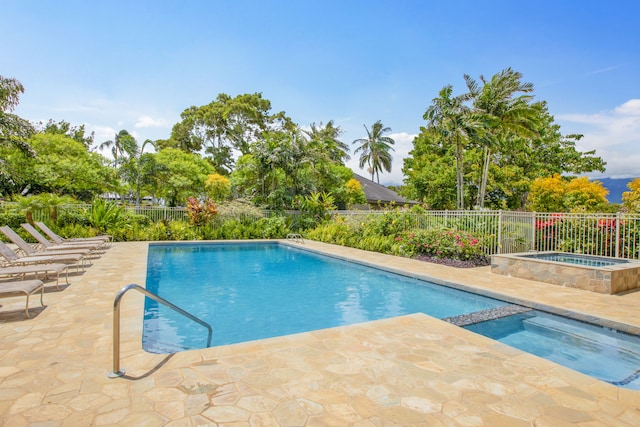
[
  {"x": 459, "y": 177},
  {"x": 483, "y": 179}
]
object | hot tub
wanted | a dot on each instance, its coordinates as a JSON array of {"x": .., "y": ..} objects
[{"x": 605, "y": 275}]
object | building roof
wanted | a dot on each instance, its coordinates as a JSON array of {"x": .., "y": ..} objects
[{"x": 376, "y": 193}]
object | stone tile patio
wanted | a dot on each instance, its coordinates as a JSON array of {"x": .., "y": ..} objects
[{"x": 407, "y": 371}]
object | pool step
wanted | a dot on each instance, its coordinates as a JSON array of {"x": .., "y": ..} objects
[
  {"x": 164, "y": 347},
  {"x": 485, "y": 315},
  {"x": 586, "y": 332}
]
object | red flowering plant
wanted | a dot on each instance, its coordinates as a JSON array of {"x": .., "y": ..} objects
[
  {"x": 441, "y": 243},
  {"x": 200, "y": 213}
]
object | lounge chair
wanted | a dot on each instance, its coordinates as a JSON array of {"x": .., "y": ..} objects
[
  {"x": 24, "y": 287},
  {"x": 14, "y": 260},
  {"x": 45, "y": 268},
  {"x": 31, "y": 251},
  {"x": 47, "y": 245},
  {"x": 105, "y": 239}
]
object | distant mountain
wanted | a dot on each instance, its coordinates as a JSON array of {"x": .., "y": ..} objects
[{"x": 616, "y": 187}]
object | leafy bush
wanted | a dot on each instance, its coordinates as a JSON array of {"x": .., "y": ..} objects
[
  {"x": 12, "y": 218},
  {"x": 274, "y": 227},
  {"x": 344, "y": 234},
  {"x": 73, "y": 217},
  {"x": 314, "y": 208},
  {"x": 441, "y": 243},
  {"x": 105, "y": 215},
  {"x": 239, "y": 209}
]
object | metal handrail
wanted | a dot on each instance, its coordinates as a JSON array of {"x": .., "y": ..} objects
[
  {"x": 295, "y": 237},
  {"x": 117, "y": 372}
]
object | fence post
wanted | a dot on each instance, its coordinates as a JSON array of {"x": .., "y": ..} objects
[
  {"x": 617, "y": 234},
  {"x": 533, "y": 232},
  {"x": 500, "y": 231}
]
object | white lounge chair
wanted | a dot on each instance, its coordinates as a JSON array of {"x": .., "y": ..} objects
[
  {"x": 48, "y": 246},
  {"x": 24, "y": 287},
  {"x": 21, "y": 271},
  {"x": 105, "y": 239},
  {"x": 31, "y": 251},
  {"x": 13, "y": 259}
]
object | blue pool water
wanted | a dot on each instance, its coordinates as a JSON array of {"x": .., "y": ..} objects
[
  {"x": 608, "y": 355},
  {"x": 576, "y": 259},
  {"x": 251, "y": 291}
]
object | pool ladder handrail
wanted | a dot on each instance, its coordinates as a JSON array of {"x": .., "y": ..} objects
[
  {"x": 117, "y": 372},
  {"x": 295, "y": 237}
]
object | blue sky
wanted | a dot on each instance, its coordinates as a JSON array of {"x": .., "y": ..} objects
[{"x": 137, "y": 65}]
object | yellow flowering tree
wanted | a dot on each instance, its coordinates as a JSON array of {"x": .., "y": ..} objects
[
  {"x": 582, "y": 194},
  {"x": 558, "y": 194},
  {"x": 547, "y": 194},
  {"x": 631, "y": 198},
  {"x": 218, "y": 186},
  {"x": 354, "y": 192}
]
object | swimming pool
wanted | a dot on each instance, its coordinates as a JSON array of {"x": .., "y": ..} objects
[{"x": 251, "y": 291}]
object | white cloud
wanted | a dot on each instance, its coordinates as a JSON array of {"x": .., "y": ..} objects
[
  {"x": 150, "y": 122},
  {"x": 631, "y": 107},
  {"x": 102, "y": 133},
  {"x": 614, "y": 134}
]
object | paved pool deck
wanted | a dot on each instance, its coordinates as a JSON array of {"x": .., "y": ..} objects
[{"x": 407, "y": 371}]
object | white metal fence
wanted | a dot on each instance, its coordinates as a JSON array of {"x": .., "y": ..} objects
[{"x": 616, "y": 235}]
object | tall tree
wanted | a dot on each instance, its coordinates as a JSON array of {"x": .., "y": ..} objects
[
  {"x": 502, "y": 141},
  {"x": 375, "y": 149},
  {"x": 62, "y": 127},
  {"x": 504, "y": 114},
  {"x": 180, "y": 175},
  {"x": 326, "y": 138},
  {"x": 14, "y": 131},
  {"x": 452, "y": 119},
  {"x": 430, "y": 171},
  {"x": 62, "y": 166},
  {"x": 226, "y": 125}
]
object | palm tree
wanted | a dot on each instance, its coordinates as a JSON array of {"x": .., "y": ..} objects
[
  {"x": 137, "y": 166},
  {"x": 449, "y": 117},
  {"x": 123, "y": 146},
  {"x": 375, "y": 149},
  {"x": 326, "y": 140},
  {"x": 505, "y": 116}
]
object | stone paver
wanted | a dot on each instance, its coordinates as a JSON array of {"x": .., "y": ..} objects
[{"x": 407, "y": 371}]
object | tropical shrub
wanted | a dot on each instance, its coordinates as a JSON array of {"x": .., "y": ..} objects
[
  {"x": 105, "y": 215},
  {"x": 200, "y": 213},
  {"x": 239, "y": 209},
  {"x": 12, "y": 218},
  {"x": 314, "y": 208},
  {"x": 72, "y": 217},
  {"x": 441, "y": 243},
  {"x": 274, "y": 227}
]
